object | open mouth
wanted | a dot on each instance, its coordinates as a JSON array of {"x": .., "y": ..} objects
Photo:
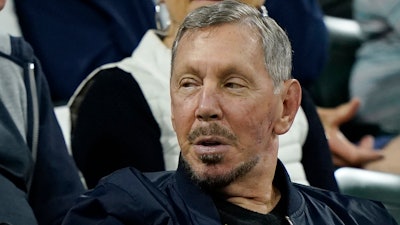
[
  {"x": 209, "y": 143},
  {"x": 214, "y": 145}
]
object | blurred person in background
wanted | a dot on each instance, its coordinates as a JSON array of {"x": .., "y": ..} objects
[
  {"x": 375, "y": 76},
  {"x": 39, "y": 181}
]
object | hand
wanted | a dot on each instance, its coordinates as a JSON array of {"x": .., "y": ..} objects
[
  {"x": 344, "y": 152},
  {"x": 390, "y": 164}
]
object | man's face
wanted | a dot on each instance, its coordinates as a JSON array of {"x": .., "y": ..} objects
[
  {"x": 178, "y": 9},
  {"x": 224, "y": 109}
]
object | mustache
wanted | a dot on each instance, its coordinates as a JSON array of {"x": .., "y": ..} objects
[{"x": 211, "y": 130}]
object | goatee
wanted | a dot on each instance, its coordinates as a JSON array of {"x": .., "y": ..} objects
[{"x": 212, "y": 182}]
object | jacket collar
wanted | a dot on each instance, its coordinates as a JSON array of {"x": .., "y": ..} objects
[
  {"x": 198, "y": 201},
  {"x": 202, "y": 205}
]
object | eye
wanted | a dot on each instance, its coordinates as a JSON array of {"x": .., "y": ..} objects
[
  {"x": 235, "y": 83},
  {"x": 188, "y": 83}
]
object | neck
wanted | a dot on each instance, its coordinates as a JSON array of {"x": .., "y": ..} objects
[
  {"x": 258, "y": 195},
  {"x": 262, "y": 203},
  {"x": 172, "y": 31}
]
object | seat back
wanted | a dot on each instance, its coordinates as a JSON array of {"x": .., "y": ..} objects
[
  {"x": 378, "y": 186},
  {"x": 331, "y": 88}
]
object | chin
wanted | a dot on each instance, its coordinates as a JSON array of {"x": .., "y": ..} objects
[{"x": 211, "y": 176}]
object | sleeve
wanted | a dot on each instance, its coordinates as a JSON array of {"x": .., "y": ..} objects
[
  {"x": 124, "y": 197},
  {"x": 56, "y": 178},
  {"x": 94, "y": 208},
  {"x": 115, "y": 128},
  {"x": 15, "y": 171},
  {"x": 317, "y": 159}
]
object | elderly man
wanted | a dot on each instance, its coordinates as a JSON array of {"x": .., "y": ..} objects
[{"x": 232, "y": 96}]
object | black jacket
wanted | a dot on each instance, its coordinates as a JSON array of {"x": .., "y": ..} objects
[{"x": 129, "y": 197}]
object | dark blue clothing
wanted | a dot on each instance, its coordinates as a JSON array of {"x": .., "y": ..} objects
[
  {"x": 129, "y": 197},
  {"x": 73, "y": 37},
  {"x": 40, "y": 169}
]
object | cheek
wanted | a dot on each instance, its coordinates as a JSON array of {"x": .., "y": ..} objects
[
  {"x": 256, "y": 123},
  {"x": 182, "y": 116},
  {"x": 261, "y": 129}
]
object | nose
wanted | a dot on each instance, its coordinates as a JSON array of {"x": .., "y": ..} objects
[{"x": 209, "y": 107}]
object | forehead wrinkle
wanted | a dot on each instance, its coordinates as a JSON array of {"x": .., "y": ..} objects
[{"x": 198, "y": 37}]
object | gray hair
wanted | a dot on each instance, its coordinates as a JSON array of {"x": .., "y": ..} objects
[{"x": 276, "y": 45}]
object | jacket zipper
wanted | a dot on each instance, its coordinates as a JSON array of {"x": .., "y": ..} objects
[
  {"x": 35, "y": 110},
  {"x": 289, "y": 221}
]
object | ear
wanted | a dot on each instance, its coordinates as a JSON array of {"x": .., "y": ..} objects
[{"x": 291, "y": 99}]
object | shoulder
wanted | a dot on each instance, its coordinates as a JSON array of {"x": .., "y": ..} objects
[
  {"x": 129, "y": 176},
  {"x": 344, "y": 208},
  {"x": 126, "y": 194},
  {"x": 21, "y": 49},
  {"x": 16, "y": 48},
  {"x": 132, "y": 185}
]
